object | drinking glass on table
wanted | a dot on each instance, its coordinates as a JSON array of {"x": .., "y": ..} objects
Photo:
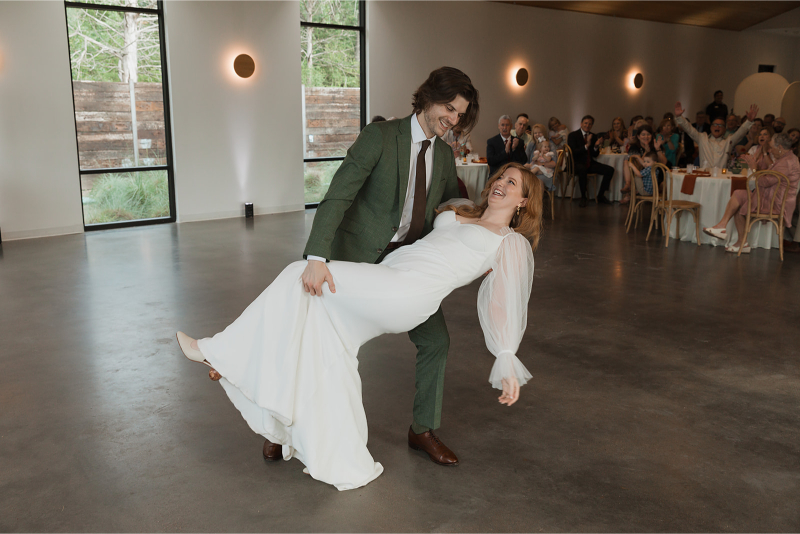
[{"x": 689, "y": 168}]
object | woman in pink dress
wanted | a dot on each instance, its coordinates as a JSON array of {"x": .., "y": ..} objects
[{"x": 785, "y": 163}]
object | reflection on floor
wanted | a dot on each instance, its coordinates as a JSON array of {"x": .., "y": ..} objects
[{"x": 665, "y": 393}]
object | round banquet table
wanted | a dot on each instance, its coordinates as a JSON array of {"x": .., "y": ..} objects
[
  {"x": 713, "y": 194},
  {"x": 614, "y": 160},
  {"x": 474, "y": 176}
]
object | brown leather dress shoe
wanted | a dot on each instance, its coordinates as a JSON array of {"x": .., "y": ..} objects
[
  {"x": 272, "y": 451},
  {"x": 428, "y": 442}
]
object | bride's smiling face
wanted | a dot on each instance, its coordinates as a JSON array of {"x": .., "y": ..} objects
[{"x": 506, "y": 191}]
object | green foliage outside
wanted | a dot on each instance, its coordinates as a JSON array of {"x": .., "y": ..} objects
[
  {"x": 317, "y": 178},
  {"x": 127, "y": 197},
  {"x": 111, "y": 46},
  {"x": 329, "y": 58}
]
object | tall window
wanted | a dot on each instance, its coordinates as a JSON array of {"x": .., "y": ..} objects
[
  {"x": 334, "y": 100},
  {"x": 119, "y": 90}
]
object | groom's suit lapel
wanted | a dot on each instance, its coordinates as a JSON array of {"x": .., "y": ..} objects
[{"x": 403, "y": 158}]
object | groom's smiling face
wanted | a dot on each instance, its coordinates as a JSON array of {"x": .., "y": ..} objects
[{"x": 438, "y": 118}]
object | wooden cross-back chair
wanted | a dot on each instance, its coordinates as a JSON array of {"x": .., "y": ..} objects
[
  {"x": 764, "y": 213},
  {"x": 671, "y": 208},
  {"x": 636, "y": 205},
  {"x": 589, "y": 177}
]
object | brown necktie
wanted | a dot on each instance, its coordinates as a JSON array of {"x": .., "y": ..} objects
[{"x": 420, "y": 192}]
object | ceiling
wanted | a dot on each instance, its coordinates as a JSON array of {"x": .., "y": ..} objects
[{"x": 736, "y": 16}]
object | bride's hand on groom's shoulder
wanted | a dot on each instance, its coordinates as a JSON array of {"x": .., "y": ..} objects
[
  {"x": 315, "y": 274},
  {"x": 510, "y": 391}
]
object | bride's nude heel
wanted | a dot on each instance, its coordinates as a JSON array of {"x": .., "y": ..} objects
[{"x": 195, "y": 355}]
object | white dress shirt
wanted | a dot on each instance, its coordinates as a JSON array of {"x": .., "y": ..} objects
[{"x": 417, "y": 137}]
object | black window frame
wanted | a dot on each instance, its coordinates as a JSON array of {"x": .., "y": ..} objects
[
  {"x": 362, "y": 50},
  {"x": 169, "y": 167}
]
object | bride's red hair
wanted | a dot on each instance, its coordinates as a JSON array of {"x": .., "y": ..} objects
[{"x": 529, "y": 220}]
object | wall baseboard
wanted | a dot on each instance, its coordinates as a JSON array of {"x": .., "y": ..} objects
[
  {"x": 196, "y": 217},
  {"x": 41, "y": 232}
]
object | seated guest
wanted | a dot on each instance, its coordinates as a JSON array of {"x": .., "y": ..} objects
[
  {"x": 670, "y": 141},
  {"x": 538, "y": 134},
  {"x": 731, "y": 125},
  {"x": 642, "y": 172},
  {"x": 650, "y": 121},
  {"x": 636, "y": 123},
  {"x": 714, "y": 149},
  {"x": 558, "y": 133},
  {"x": 458, "y": 141},
  {"x": 503, "y": 148},
  {"x": 521, "y": 129},
  {"x": 779, "y": 124},
  {"x": 794, "y": 135},
  {"x": 769, "y": 118},
  {"x": 615, "y": 138},
  {"x": 761, "y": 151},
  {"x": 585, "y": 147},
  {"x": 785, "y": 163},
  {"x": 689, "y": 148},
  {"x": 701, "y": 122},
  {"x": 543, "y": 162},
  {"x": 644, "y": 143},
  {"x": 750, "y": 139},
  {"x": 717, "y": 108}
]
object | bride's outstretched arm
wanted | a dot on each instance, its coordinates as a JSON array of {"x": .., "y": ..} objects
[{"x": 503, "y": 313}]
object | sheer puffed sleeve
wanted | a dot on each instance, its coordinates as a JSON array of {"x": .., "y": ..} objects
[{"x": 503, "y": 307}]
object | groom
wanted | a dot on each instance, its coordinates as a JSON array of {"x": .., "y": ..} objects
[{"x": 383, "y": 197}]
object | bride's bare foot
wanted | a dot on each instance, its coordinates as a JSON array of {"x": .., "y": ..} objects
[{"x": 194, "y": 345}]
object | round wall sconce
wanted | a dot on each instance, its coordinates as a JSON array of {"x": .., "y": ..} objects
[
  {"x": 638, "y": 80},
  {"x": 522, "y": 77},
  {"x": 244, "y": 66}
]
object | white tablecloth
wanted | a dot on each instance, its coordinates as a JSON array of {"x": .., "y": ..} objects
[
  {"x": 713, "y": 195},
  {"x": 474, "y": 176},
  {"x": 618, "y": 162}
]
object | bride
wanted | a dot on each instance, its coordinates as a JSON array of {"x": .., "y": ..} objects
[{"x": 289, "y": 362}]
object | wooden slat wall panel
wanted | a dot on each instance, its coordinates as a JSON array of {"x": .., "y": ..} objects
[
  {"x": 103, "y": 121},
  {"x": 333, "y": 118}
]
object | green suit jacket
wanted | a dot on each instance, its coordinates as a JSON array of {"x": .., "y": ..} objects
[{"x": 361, "y": 211}]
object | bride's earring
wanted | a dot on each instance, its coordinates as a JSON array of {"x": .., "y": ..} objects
[{"x": 517, "y": 211}]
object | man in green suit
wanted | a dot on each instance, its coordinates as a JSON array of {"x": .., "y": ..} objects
[{"x": 383, "y": 197}]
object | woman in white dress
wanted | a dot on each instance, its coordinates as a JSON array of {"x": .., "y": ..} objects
[{"x": 289, "y": 362}]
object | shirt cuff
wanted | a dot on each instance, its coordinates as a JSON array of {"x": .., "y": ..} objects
[{"x": 315, "y": 258}]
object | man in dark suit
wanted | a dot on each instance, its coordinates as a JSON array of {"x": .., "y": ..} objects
[
  {"x": 384, "y": 196},
  {"x": 504, "y": 148},
  {"x": 585, "y": 147}
]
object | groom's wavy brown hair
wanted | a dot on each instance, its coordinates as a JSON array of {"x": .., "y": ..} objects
[
  {"x": 529, "y": 220},
  {"x": 442, "y": 87}
]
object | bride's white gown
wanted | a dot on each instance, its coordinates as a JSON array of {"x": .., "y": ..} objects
[{"x": 289, "y": 362}]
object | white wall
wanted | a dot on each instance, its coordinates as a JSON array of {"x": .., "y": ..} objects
[
  {"x": 39, "y": 184},
  {"x": 235, "y": 139},
  {"x": 578, "y": 62},
  {"x": 241, "y": 140}
]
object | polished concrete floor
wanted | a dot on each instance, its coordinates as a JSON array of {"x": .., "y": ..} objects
[{"x": 665, "y": 392}]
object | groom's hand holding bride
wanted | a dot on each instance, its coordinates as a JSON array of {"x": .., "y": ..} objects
[
  {"x": 315, "y": 274},
  {"x": 510, "y": 391}
]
